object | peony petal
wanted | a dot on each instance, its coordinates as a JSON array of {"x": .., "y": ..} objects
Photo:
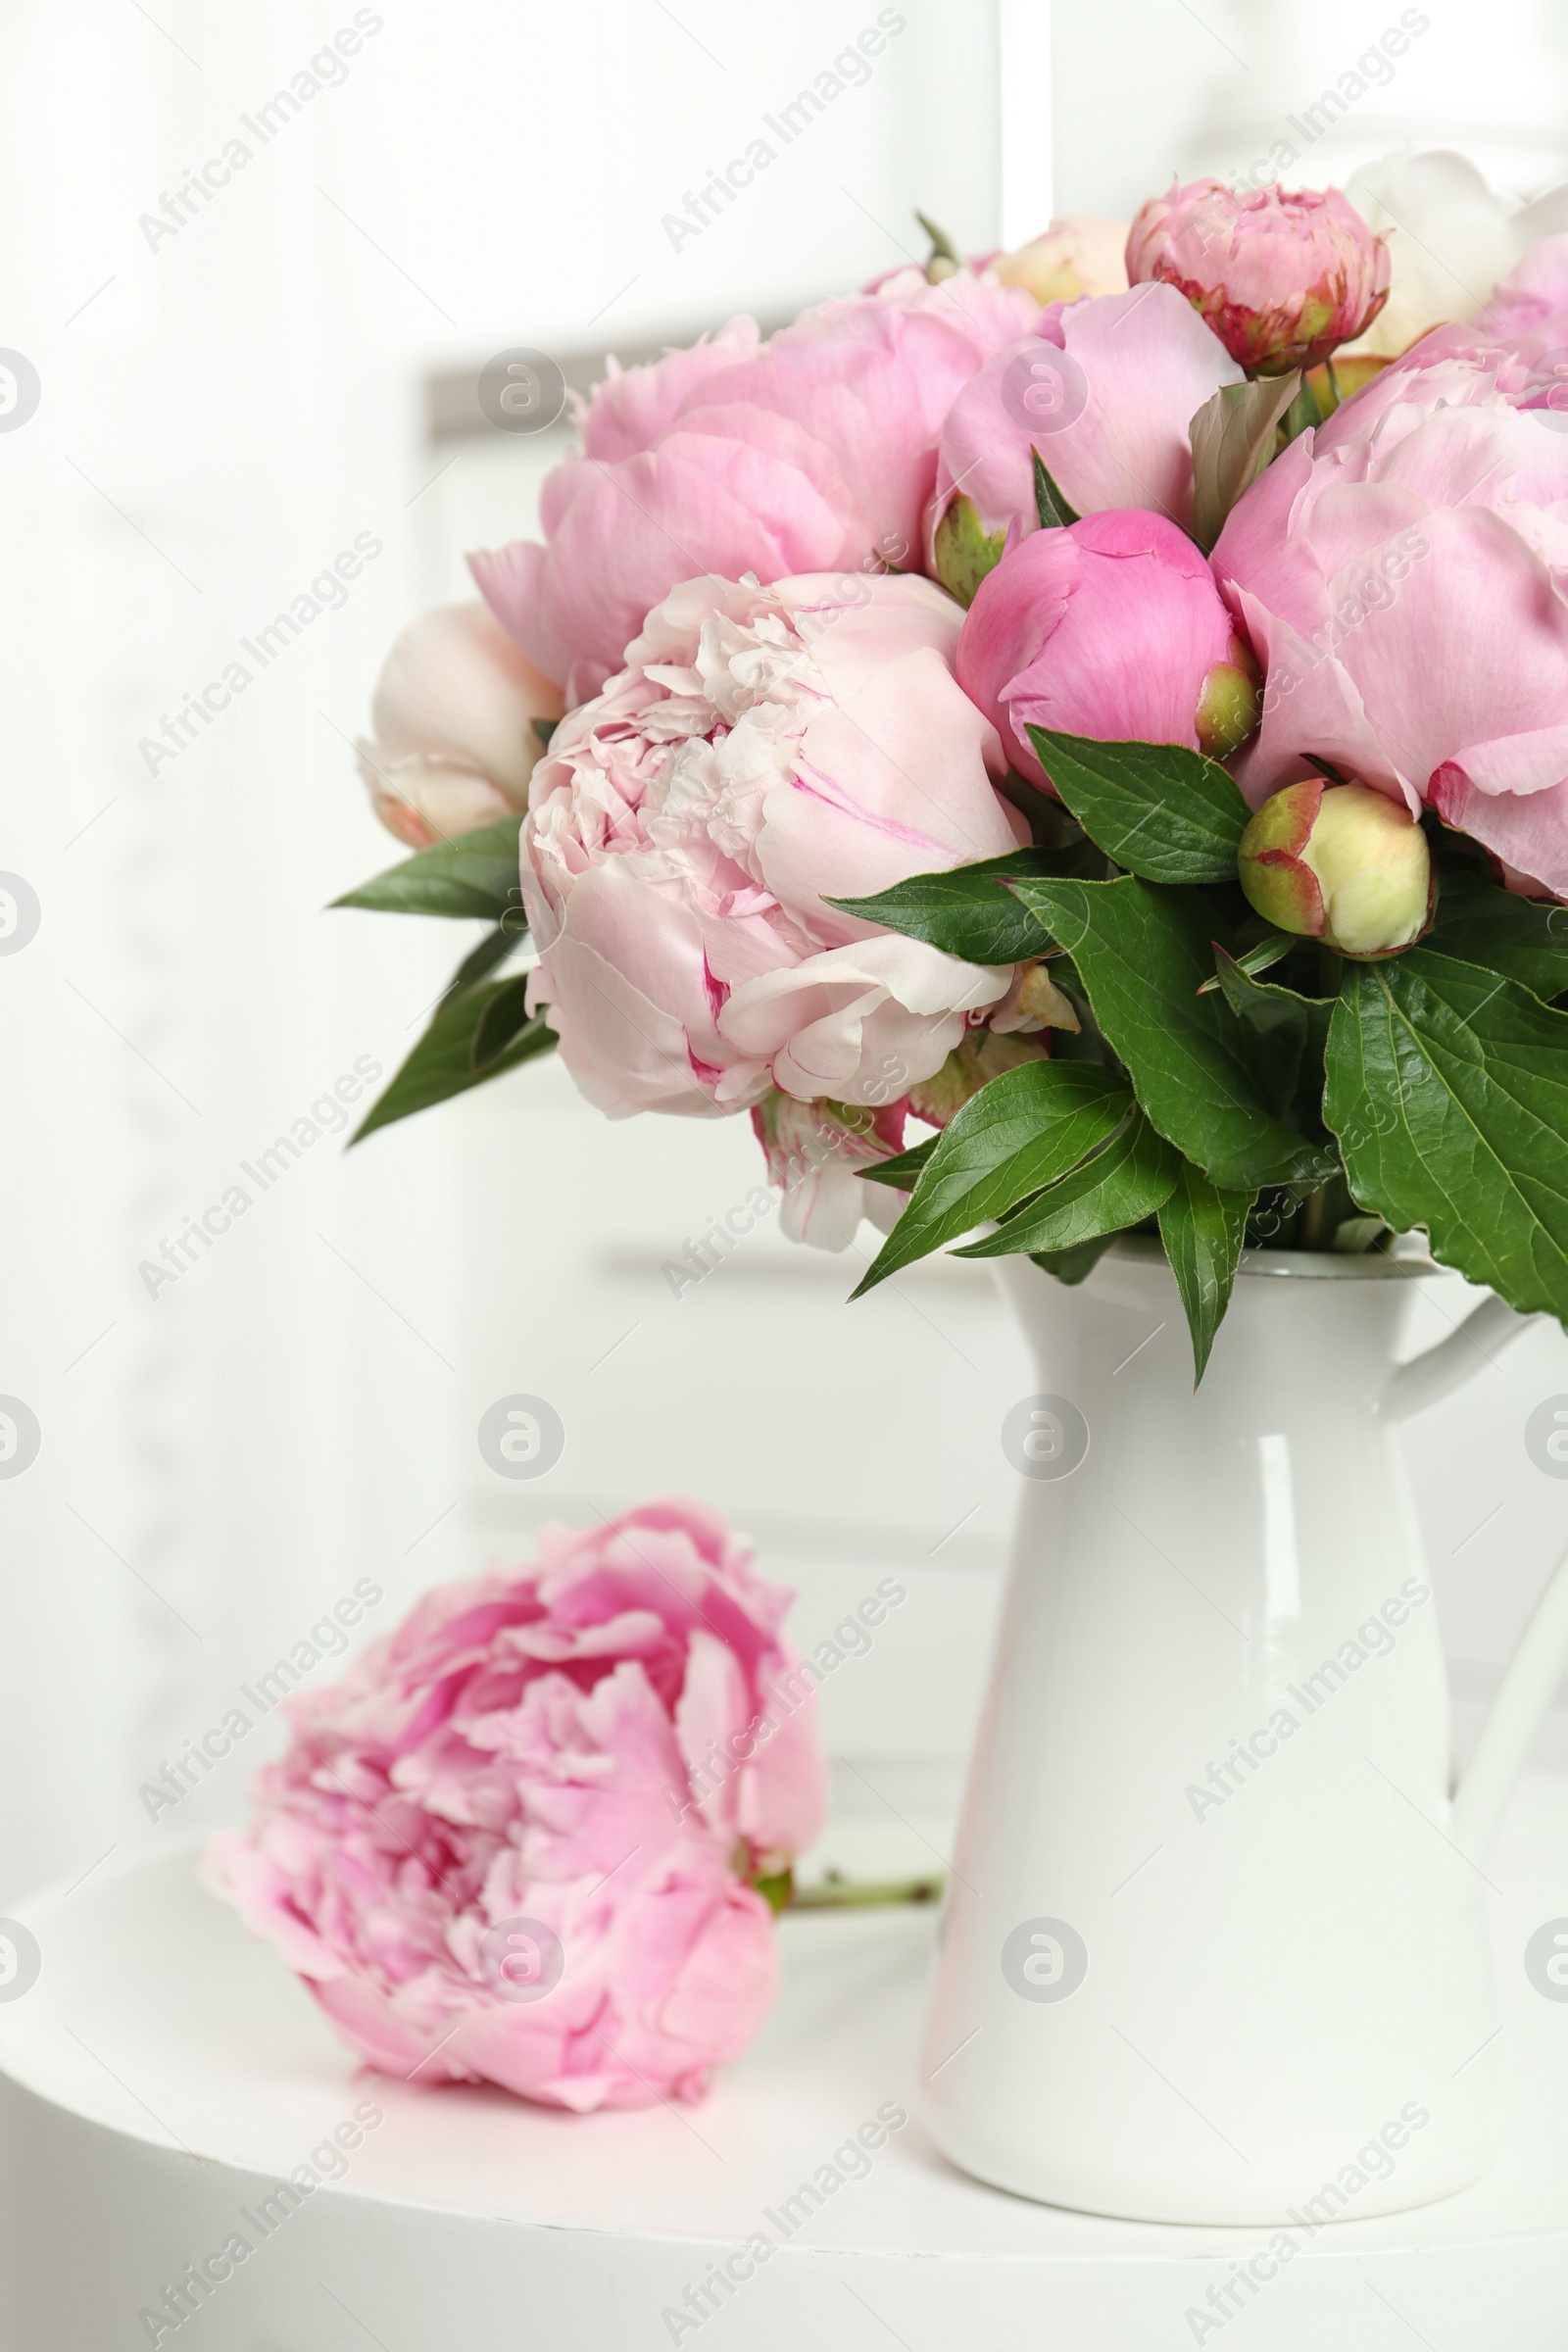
[
  {"x": 1521, "y": 764},
  {"x": 1529, "y": 831}
]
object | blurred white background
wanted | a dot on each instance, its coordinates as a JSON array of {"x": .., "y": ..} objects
[{"x": 225, "y": 407}]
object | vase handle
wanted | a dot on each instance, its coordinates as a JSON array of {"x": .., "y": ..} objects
[
  {"x": 1474, "y": 1341},
  {"x": 1536, "y": 1668},
  {"x": 1516, "y": 1714}
]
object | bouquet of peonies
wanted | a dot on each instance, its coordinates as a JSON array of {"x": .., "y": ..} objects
[{"x": 1052, "y": 703}]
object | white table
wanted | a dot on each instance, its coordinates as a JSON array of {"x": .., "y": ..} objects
[{"x": 165, "y": 2072}]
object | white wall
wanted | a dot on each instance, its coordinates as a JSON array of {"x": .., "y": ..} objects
[{"x": 224, "y": 410}]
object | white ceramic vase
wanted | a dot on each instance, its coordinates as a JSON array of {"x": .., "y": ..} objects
[{"x": 1215, "y": 1948}]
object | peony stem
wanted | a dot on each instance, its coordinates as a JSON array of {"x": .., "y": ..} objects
[
  {"x": 845, "y": 1894},
  {"x": 1314, "y": 1212}
]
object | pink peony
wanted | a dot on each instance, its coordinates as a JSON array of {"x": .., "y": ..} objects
[
  {"x": 813, "y": 452},
  {"x": 1533, "y": 299},
  {"x": 453, "y": 743},
  {"x": 765, "y": 750},
  {"x": 1282, "y": 280},
  {"x": 1106, "y": 392},
  {"x": 1400, "y": 574},
  {"x": 1110, "y": 628},
  {"x": 513, "y": 1844}
]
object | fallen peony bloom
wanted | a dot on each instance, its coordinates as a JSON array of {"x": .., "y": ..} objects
[{"x": 515, "y": 1843}]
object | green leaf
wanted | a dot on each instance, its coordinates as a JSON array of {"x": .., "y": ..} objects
[
  {"x": 943, "y": 248},
  {"x": 1268, "y": 952},
  {"x": 1304, "y": 413},
  {"x": 1448, "y": 1088},
  {"x": 1128, "y": 1179},
  {"x": 1295, "y": 1025},
  {"x": 1232, "y": 440},
  {"x": 900, "y": 1171},
  {"x": 979, "y": 1056},
  {"x": 1050, "y": 504},
  {"x": 1157, "y": 809},
  {"x": 1065, "y": 847},
  {"x": 1142, "y": 954},
  {"x": 1203, "y": 1229},
  {"x": 1073, "y": 1266},
  {"x": 965, "y": 911},
  {"x": 472, "y": 874},
  {"x": 480, "y": 962},
  {"x": 504, "y": 1018},
  {"x": 1017, "y": 1135},
  {"x": 1272, "y": 1008},
  {"x": 441, "y": 1064},
  {"x": 544, "y": 728},
  {"x": 1481, "y": 923}
]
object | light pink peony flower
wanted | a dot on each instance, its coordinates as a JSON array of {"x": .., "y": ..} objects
[
  {"x": 1401, "y": 574},
  {"x": 813, "y": 1151},
  {"x": 633, "y": 406},
  {"x": 551, "y": 1773},
  {"x": 1080, "y": 254},
  {"x": 1106, "y": 392},
  {"x": 1533, "y": 299},
  {"x": 1110, "y": 628},
  {"x": 453, "y": 743},
  {"x": 1451, "y": 239},
  {"x": 765, "y": 750},
  {"x": 1282, "y": 280},
  {"x": 815, "y": 452}
]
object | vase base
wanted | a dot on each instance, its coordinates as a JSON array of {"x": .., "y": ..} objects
[{"x": 1300, "y": 2208}]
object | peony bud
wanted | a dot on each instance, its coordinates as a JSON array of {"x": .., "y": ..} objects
[
  {"x": 1112, "y": 627},
  {"x": 1282, "y": 280},
  {"x": 1342, "y": 864}
]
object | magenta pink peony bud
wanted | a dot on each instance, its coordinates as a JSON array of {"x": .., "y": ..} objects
[
  {"x": 1282, "y": 280},
  {"x": 1342, "y": 864},
  {"x": 1114, "y": 628}
]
